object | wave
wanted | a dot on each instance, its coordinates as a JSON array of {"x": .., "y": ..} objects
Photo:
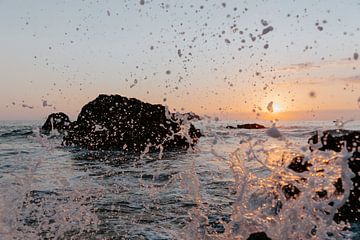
[{"x": 26, "y": 131}]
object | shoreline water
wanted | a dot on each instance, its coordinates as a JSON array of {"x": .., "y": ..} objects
[{"x": 54, "y": 191}]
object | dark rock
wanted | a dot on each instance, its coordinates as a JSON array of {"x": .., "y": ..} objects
[
  {"x": 247, "y": 126},
  {"x": 116, "y": 122},
  {"x": 258, "y": 236},
  {"x": 56, "y": 121},
  {"x": 191, "y": 116},
  {"x": 321, "y": 194},
  {"x": 290, "y": 191},
  {"x": 299, "y": 165},
  {"x": 335, "y": 140}
]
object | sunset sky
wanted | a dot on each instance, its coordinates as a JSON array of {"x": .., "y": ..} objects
[{"x": 222, "y": 58}]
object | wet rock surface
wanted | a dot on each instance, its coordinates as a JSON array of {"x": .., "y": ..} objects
[
  {"x": 258, "y": 236},
  {"x": 113, "y": 122},
  {"x": 332, "y": 140},
  {"x": 56, "y": 121},
  {"x": 335, "y": 140},
  {"x": 191, "y": 116},
  {"x": 298, "y": 164},
  {"x": 247, "y": 126}
]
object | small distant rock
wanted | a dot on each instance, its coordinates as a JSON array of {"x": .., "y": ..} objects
[
  {"x": 247, "y": 126},
  {"x": 56, "y": 121}
]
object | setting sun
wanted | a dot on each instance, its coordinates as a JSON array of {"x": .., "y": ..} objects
[{"x": 277, "y": 108}]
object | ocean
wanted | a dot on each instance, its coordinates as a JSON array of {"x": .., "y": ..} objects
[{"x": 227, "y": 187}]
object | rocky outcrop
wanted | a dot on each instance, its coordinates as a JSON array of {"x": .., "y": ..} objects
[
  {"x": 115, "y": 122},
  {"x": 56, "y": 121},
  {"x": 191, "y": 116},
  {"x": 247, "y": 126},
  {"x": 335, "y": 140}
]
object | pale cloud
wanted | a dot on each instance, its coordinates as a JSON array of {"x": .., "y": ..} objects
[
  {"x": 351, "y": 79},
  {"x": 312, "y": 81},
  {"x": 302, "y": 82},
  {"x": 305, "y": 66},
  {"x": 299, "y": 67}
]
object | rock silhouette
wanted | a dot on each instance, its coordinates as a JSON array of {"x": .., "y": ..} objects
[
  {"x": 191, "y": 116},
  {"x": 247, "y": 126},
  {"x": 113, "y": 122},
  {"x": 56, "y": 121},
  {"x": 335, "y": 140}
]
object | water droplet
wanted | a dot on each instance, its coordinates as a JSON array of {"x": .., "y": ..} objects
[
  {"x": 267, "y": 30},
  {"x": 270, "y": 107},
  {"x": 264, "y": 22},
  {"x": 356, "y": 56}
]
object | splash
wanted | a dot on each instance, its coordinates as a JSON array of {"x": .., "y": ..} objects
[
  {"x": 281, "y": 189},
  {"x": 61, "y": 212}
]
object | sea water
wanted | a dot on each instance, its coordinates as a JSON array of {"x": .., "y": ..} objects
[{"x": 227, "y": 187}]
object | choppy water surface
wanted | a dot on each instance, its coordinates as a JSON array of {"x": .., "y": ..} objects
[{"x": 222, "y": 189}]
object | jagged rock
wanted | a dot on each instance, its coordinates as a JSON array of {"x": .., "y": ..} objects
[
  {"x": 247, "y": 126},
  {"x": 56, "y": 121},
  {"x": 298, "y": 164},
  {"x": 116, "y": 122},
  {"x": 191, "y": 116},
  {"x": 335, "y": 140},
  {"x": 258, "y": 236}
]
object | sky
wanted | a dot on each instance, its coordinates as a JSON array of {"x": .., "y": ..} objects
[{"x": 231, "y": 59}]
